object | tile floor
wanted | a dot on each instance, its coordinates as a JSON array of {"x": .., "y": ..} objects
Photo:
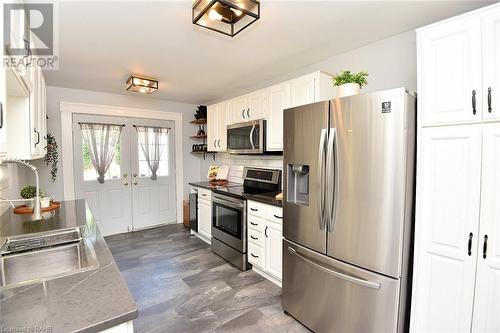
[{"x": 180, "y": 286}]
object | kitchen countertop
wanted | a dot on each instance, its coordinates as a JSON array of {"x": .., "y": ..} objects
[
  {"x": 267, "y": 198},
  {"x": 87, "y": 301}
]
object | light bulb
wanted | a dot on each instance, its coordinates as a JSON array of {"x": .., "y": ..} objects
[
  {"x": 213, "y": 15},
  {"x": 236, "y": 11}
]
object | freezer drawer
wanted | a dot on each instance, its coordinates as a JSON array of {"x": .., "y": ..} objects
[{"x": 327, "y": 295}]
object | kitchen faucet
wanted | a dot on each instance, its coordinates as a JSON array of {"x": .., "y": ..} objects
[{"x": 37, "y": 209}]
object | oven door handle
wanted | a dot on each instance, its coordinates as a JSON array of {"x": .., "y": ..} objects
[{"x": 227, "y": 203}]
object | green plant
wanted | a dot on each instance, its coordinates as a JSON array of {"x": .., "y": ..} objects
[
  {"x": 52, "y": 156},
  {"x": 349, "y": 77},
  {"x": 29, "y": 192}
]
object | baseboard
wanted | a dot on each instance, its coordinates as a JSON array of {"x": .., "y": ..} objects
[{"x": 267, "y": 276}]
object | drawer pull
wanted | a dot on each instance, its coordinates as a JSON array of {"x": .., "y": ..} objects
[
  {"x": 254, "y": 238},
  {"x": 254, "y": 209},
  {"x": 254, "y": 223},
  {"x": 278, "y": 217},
  {"x": 253, "y": 255}
]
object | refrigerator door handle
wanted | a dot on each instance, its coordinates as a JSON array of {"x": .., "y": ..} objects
[
  {"x": 331, "y": 195},
  {"x": 350, "y": 278},
  {"x": 321, "y": 179}
]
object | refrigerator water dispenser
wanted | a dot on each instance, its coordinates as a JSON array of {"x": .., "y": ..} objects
[{"x": 298, "y": 184}]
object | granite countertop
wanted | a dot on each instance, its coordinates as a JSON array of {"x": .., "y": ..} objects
[
  {"x": 87, "y": 301},
  {"x": 210, "y": 186},
  {"x": 267, "y": 198}
]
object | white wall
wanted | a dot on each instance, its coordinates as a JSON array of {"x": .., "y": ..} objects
[
  {"x": 391, "y": 63},
  {"x": 55, "y": 95}
]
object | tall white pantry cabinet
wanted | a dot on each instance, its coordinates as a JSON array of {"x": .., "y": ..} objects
[{"x": 456, "y": 278}]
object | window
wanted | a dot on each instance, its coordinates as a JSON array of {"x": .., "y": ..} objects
[
  {"x": 90, "y": 173},
  {"x": 163, "y": 168}
]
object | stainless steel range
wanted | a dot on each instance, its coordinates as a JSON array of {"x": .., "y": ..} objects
[{"x": 229, "y": 213}]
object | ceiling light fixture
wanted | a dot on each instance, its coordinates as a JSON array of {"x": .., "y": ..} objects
[
  {"x": 229, "y": 17},
  {"x": 142, "y": 84}
]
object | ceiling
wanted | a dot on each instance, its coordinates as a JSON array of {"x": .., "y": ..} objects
[{"x": 101, "y": 43}]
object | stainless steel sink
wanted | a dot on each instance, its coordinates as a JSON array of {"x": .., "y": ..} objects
[{"x": 25, "y": 260}]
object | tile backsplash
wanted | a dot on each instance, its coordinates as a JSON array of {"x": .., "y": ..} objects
[{"x": 238, "y": 162}]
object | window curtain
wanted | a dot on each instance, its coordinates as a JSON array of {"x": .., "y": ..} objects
[
  {"x": 101, "y": 139},
  {"x": 150, "y": 141}
]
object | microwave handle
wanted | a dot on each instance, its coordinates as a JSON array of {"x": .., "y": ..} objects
[{"x": 251, "y": 137}]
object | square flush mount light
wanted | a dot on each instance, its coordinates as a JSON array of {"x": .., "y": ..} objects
[
  {"x": 142, "y": 84},
  {"x": 226, "y": 16}
]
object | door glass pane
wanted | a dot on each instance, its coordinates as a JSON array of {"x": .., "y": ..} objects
[
  {"x": 89, "y": 172},
  {"x": 165, "y": 151}
]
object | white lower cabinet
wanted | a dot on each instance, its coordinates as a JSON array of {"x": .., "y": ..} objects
[
  {"x": 457, "y": 231},
  {"x": 205, "y": 214},
  {"x": 265, "y": 239}
]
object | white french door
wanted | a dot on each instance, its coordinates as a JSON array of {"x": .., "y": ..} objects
[
  {"x": 153, "y": 201},
  {"x": 128, "y": 199}
]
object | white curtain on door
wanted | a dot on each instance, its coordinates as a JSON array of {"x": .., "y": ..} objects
[
  {"x": 101, "y": 139},
  {"x": 149, "y": 139}
]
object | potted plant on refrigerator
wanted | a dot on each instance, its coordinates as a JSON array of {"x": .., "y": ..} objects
[{"x": 349, "y": 83}]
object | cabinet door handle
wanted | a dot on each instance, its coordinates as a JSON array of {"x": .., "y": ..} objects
[
  {"x": 469, "y": 245},
  {"x": 485, "y": 246},
  {"x": 278, "y": 217},
  {"x": 243, "y": 113},
  {"x": 1, "y": 115},
  {"x": 253, "y": 255},
  {"x": 215, "y": 143},
  {"x": 253, "y": 223},
  {"x": 248, "y": 112},
  {"x": 489, "y": 99},
  {"x": 473, "y": 102},
  {"x": 254, "y": 209},
  {"x": 254, "y": 238},
  {"x": 37, "y": 137},
  {"x": 265, "y": 232},
  {"x": 218, "y": 143}
]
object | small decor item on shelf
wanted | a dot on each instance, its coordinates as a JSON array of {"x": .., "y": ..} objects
[
  {"x": 349, "y": 83},
  {"x": 194, "y": 147},
  {"x": 201, "y": 112},
  {"x": 52, "y": 156},
  {"x": 29, "y": 192},
  {"x": 201, "y": 131}
]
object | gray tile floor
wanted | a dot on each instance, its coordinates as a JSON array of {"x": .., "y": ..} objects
[{"x": 179, "y": 286}]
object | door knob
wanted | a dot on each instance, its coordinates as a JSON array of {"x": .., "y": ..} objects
[
  {"x": 135, "y": 183},
  {"x": 134, "y": 175},
  {"x": 125, "y": 183},
  {"x": 125, "y": 175}
]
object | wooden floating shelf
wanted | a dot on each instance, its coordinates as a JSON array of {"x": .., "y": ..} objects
[
  {"x": 198, "y": 137},
  {"x": 204, "y": 153},
  {"x": 199, "y": 121}
]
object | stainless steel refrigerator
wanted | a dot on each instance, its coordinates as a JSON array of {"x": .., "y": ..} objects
[{"x": 348, "y": 212}]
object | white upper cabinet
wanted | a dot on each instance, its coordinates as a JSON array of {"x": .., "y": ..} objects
[
  {"x": 212, "y": 127},
  {"x": 256, "y": 105},
  {"x": 449, "y": 75},
  {"x": 3, "y": 110},
  {"x": 447, "y": 225},
  {"x": 302, "y": 90},
  {"x": 278, "y": 99},
  {"x": 491, "y": 64},
  {"x": 239, "y": 109},
  {"x": 217, "y": 126},
  {"x": 487, "y": 302}
]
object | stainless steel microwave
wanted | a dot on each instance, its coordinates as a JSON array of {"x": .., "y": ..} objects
[{"x": 247, "y": 138}]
